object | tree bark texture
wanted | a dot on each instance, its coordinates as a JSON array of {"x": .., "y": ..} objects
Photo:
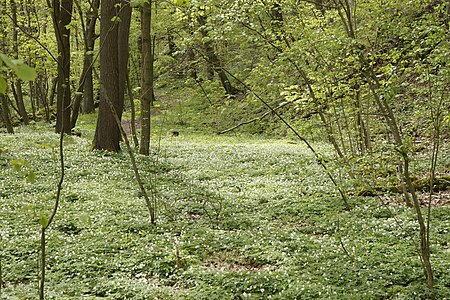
[
  {"x": 62, "y": 16},
  {"x": 4, "y": 108},
  {"x": 88, "y": 97},
  {"x": 114, "y": 31},
  {"x": 147, "y": 78}
]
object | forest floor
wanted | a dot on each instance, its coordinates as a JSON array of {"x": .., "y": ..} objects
[{"x": 238, "y": 217}]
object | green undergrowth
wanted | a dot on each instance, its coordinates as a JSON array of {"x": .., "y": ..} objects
[{"x": 238, "y": 217}]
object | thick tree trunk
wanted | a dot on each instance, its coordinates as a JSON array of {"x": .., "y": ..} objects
[
  {"x": 113, "y": 62},
  {"x": 4, "y": 108},
  {"x": 62, "y": 16},
  {"x": 147, "y": 78}
]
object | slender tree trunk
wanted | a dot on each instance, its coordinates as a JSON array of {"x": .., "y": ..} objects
[
  {"x": 147, "y": 77},
  {"x": 18, "y": 95},
  {"x": 42, "y": 266},
  {"x": 43, "y": 96},
  {"x": 88, "y": 104},
  {"x": 133, "y": 112},
  {"x": 123, "y": 52},
  {"x": 86, "y": 73},
  {"x": 190, "y": 55},
  {"x": 86, "y": 86},
  {"x": 365, "y": 144},
  {"x": 32, "y": 96},
  {"x": 113, "y": 66},
  {"x": 51, "y": 98},
  {"x": 215, "y": 62},
  {"x": 409, "y": 188}
]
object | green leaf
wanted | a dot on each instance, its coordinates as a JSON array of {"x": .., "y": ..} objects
[
  {"x": 7, "y": 61},
  {"x": 43, "y": 220},
  {"x": 16, "y": 164},
  {"x": 25, "y": 72},
  {"x": 22, "y": 70},
  {"x": 2, "y": 85},
  {"x": 31, "y": 177}
]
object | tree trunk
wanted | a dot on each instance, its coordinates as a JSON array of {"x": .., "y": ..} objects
[
  {"x": 409, "y": 188},
  {"x": 215, "y": 62},
  {"x": 147, "y": 78},
  {"x": 133, "y": 111},
  {"x": 124, "y": 34},
  {"x": 85, "y": 89},
  {"x": 190, "y": 55},
  {"x": 18, "y": 94},
  {"x": 113, "y": 62},
  {"x": 4, "y": 108},
  {"x": 51, "y": 101},
  {"x": 42, "y": 87},
  {"x": 62, "y": 16},
  {"x": 32, "y": 97},
  {"x": 90, "y": 37}
]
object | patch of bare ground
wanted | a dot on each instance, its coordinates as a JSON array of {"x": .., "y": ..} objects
[
  {"x": 137, "y": 123},
  {"x": 439, "y": 199},
  {"x": 233, "y": 261}
]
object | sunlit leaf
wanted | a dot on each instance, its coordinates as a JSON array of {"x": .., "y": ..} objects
[
  {"x": 43, "y": 220},
  {"x": 182, "y": 2},
  {"x": 115, "y": 19}
]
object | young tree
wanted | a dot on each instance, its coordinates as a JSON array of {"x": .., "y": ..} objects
[{"x": 114, "y": 32}]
